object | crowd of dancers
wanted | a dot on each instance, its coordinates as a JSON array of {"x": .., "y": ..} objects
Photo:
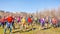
[{"x": 11, "y": 21}]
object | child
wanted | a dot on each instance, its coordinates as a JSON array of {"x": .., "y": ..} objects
[
  {"x": 36, "y": 20},
  {"x": 3, "y": 21},
  {"x": 42, "y": 20},
  {"x": 46, "y": 21},
  {"x": 23, "y": 22},
  {"x": 18, "y": 21},
  {"x": 9, "y": 24},
  {"x": 30, "y": 22},
  {"x": 54, "y": 22}
]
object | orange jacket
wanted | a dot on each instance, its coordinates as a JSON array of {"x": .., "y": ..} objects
[{"x": 10, "y": 19}]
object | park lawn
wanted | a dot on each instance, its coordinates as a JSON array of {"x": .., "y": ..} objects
[
  {"x": 37, "y": 31},
  {"x": 1, "y": 30}
]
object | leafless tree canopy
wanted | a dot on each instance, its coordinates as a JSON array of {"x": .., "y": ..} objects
[{"x": 48, "y": 12}]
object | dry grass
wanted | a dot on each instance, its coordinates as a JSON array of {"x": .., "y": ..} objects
[{"x": 36, "y": 31}]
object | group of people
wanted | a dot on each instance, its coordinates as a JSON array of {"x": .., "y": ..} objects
[
  {"x": 21, "y": 21},
  {"x": 48, "y": 22},
  {"x": 9, "y": 21}
]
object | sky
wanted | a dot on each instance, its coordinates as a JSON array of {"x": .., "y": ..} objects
[{"x": 29, "y": 6}]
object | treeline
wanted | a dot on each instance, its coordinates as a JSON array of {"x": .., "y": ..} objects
[
  {"x": 46, "y": 12},
  {"x": 55, "y": 12}
]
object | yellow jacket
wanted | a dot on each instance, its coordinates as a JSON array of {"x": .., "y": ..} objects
[{"x": 23, "y": 20}]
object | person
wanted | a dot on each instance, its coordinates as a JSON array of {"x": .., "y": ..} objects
[
  {"x": 54, "y": 22},
  {"x": 23, "y": 23},
  {"x": 36, "y": 20},
  {"x": 9, "y": 24},
  {"x": 18, "y": 21},
  {"x": 58, "y": 21},
  {"x": 3, "y": 21},
  {"x": 46, "y": 21},
  {"x": 42, "y": 20},
  {"x": 30, "y": 21}
]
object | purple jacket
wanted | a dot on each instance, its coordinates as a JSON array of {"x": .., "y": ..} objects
[{"x": 42, "y": 20}]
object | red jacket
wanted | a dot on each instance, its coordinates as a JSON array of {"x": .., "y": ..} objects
[
  {"x": 29, "y": 20},
  {"x": 10, "y": 19}
]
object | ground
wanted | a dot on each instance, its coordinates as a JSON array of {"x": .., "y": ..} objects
[{"x": 36, "y": 31}]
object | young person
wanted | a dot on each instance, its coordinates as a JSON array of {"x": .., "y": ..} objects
[
  {"x": 36, "y": 20},
  {"x": 3, "y": 21},
  {"x": 42, "y": 20},
  {"x": 18, "y": 21},
  {"x": 23, "y": 23},
  {"x": 54, "y": 22},
  {"x": 46, "y": 21},
  {"x": 30, "y": 21},
  {"x": 9, "y": 24}
]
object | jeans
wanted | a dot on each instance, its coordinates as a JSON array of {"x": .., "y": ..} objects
[{"x": 8, "y": 25}]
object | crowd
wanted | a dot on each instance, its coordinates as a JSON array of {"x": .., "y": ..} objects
[{"x": 22, "y": 21}]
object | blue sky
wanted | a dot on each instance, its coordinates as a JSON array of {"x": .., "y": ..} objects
[{"x": 28, "y": 5}]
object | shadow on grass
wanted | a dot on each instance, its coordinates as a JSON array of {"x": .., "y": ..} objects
[
  {"x": 24, "y": 31},
  {"x": 30, "y": 29},
  {"x": 46, "y": 28}
]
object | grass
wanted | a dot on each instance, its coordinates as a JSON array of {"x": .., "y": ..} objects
[{"x": 36, "y": 31}]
